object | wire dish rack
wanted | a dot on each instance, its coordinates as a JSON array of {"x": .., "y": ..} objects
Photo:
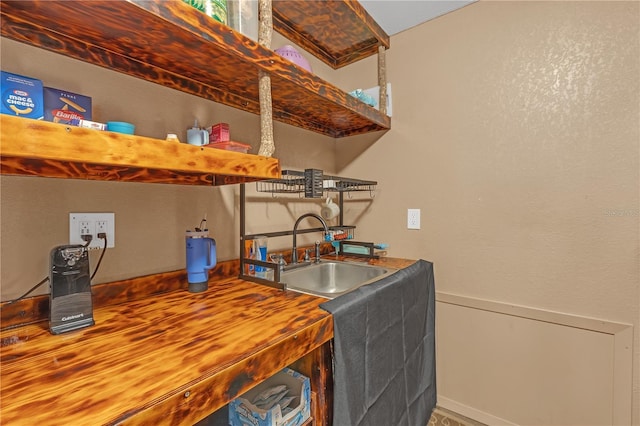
[{"x": 313, "y": 183}]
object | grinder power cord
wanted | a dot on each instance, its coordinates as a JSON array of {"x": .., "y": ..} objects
[{"x": 87, "y": 239}]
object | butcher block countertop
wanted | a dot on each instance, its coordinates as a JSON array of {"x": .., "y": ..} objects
[{"x": 170, "y": 358}]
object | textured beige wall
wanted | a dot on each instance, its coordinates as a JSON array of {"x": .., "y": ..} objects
[{"x": 516, "y": 131}]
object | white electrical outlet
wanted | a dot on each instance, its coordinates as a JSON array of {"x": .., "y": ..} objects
[
  {"x": 81, "y": 224},
  {"x": 413, "y": 219}
]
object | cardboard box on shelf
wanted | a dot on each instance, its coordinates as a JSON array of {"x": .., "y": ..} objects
[
  {"x": 21, "y": 96},
  {"x": 243, "y": 412},
  {"x": 219, "y": 133},
  {"x": 88, "y": 124},
  {"x": 61, "y": 106},
  {"x": 217, "y": 9}
]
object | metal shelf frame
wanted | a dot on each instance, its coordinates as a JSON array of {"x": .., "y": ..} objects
[{"x": 296, "y": 182}]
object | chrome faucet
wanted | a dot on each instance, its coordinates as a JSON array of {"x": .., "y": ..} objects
[{"x": 294, "y": 250}]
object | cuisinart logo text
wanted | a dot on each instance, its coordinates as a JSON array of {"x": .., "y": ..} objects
[{"x": 72, "y": 317}]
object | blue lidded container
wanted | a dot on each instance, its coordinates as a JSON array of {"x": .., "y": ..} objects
[{"x": 121, "y": 127}]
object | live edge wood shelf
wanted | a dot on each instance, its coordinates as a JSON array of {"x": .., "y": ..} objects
[
  {"x": 40, "y": 148},
  {"x": 337, "y": 32},
  {"x": 173, "y": 44}
]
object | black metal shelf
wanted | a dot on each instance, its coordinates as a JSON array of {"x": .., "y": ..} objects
[{"x": 311, "y": 185}]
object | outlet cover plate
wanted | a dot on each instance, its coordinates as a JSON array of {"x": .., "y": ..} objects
[{"x": 92, "y": 224}]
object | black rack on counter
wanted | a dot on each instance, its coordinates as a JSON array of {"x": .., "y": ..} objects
[{"x": 313, "y": 183}]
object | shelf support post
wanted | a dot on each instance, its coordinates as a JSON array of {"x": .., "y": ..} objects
[
  {"x": 265, "y": 32},
  {"x": 382, "y": 78}
]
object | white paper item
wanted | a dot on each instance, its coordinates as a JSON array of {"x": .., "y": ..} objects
[{"x": 374, "y": 92}]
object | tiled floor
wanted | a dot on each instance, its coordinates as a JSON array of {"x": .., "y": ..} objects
[{"x": 442, "y": 417}]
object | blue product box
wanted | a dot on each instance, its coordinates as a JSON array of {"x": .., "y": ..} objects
[
  {"x": 243, "y": 412},
  {"x": 62, "y": 107},
  {"x": 21, "y": 96}
]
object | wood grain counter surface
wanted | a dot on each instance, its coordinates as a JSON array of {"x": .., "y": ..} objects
[
  {"x": 179, "y": 355},
  {"x": 169, "y": 359}
]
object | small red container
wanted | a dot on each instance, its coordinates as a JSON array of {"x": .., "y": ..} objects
[{"x": 219, "y": 133}]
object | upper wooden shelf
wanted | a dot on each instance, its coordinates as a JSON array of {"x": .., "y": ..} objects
[
  {"x": 337, "y": 32},
  {"x": 172, "y": 44},
  {"x": 40, "y": 148}
]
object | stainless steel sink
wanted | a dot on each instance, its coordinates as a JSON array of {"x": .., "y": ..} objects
[{"x": 331, "y": 279}]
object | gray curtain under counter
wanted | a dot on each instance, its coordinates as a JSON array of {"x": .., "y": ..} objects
[{"x": 384, "y": 350}]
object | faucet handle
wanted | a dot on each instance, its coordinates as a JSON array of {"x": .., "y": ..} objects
[{"x": 278, "y": 258}]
